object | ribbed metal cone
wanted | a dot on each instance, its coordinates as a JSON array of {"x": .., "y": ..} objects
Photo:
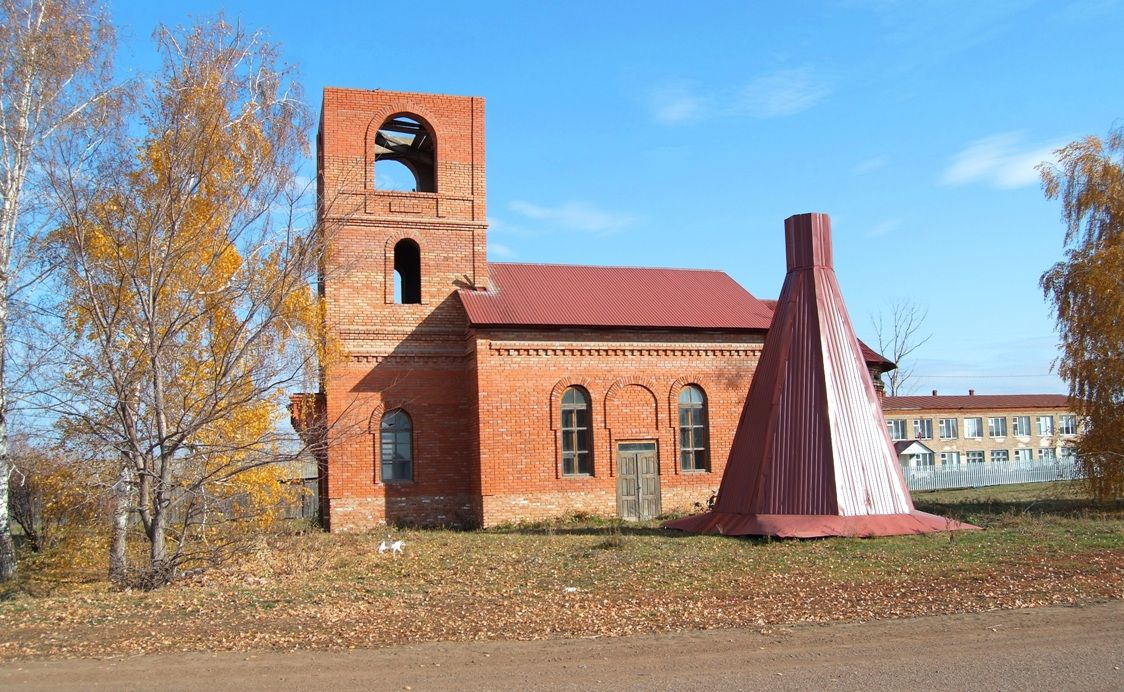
[{"x": 811, "y": 455}]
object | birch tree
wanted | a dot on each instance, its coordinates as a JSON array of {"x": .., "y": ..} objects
[
  {"x": 54, "y": 67},
  {"x": 1086, "y": 289},
  {"x": 186, "y": 294}
]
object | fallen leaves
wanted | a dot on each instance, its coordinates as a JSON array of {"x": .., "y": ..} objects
[{"x": 529, "y": 585}]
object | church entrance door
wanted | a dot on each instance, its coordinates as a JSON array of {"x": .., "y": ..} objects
[{"x": 638, "y": 480}]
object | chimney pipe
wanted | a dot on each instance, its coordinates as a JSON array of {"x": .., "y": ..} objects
[
  {"x": 971, "y": 392},
  {"x": 934, "y": 392}
]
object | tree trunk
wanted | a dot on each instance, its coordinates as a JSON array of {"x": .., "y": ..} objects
[
  {"x": 7, "y": 546},
  {"x": 160, "y": 570},
  {"x": 123, "y": 495}
]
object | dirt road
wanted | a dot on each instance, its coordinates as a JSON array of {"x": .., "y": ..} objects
[{"x": 1043, "y": 648}]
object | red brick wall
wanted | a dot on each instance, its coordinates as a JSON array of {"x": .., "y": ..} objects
[
  {"x": 484, "y": 406},
  {"x": 400, "y": 356},
  {"x": 633, "y": 379}
]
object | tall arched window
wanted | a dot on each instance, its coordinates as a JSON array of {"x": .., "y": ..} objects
[
  {"x": 577, "y": 433},
  {"x": 407, "y": 147},
  {"x": 693, "y": 430},
  {"x": 396, "y": 447},
  {"x": 407, "y": 272}
]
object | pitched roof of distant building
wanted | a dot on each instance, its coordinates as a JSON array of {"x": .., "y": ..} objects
[
  {"x": 911, "y": 447},
  {"x": 557, "y": 295},
  {"x": 975, "y": 401}
]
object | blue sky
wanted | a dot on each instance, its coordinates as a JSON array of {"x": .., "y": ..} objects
[{"x": 661, "y": 134}]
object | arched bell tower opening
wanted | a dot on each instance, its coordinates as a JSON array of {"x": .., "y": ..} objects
[{"x": 405, "y": 155}]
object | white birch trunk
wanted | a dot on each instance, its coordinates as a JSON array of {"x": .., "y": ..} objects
[
  {"x": 123, "y": 502},
  {"x": 7, "y": 228}
]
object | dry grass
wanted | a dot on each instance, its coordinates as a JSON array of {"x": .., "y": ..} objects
[{"x": 585, "y": 578}]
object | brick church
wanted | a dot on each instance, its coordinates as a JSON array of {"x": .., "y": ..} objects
[{"x": 474, "y": 393}]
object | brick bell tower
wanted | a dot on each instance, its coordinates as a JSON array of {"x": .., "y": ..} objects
[{"x": 401, "y": 183}]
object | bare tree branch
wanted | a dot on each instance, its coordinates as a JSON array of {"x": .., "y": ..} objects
[{"x": 899, "y": 334}]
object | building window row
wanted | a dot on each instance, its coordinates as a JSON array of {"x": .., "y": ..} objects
[
  {"x": 998, "y": 456},
  {"x": 397, "y": 457},
  {"x": 948, "y": 428},
  {"x": 577, "y": 431}
]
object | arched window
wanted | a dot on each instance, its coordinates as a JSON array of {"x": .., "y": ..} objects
[
  {"x": 577, "y": 433},
  {"x": 693, "y": 430},
  {"x": 406, "y": 147},
  {"x": 407, "y": 272},
  {"x": 396, "y": 447}
]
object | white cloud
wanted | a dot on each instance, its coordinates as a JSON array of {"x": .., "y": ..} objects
[
  {"x": 577, "y": 216},
  {"x": 884, "y": 228},
  {"x": 1001, "y": 160},
  {"x": 785, "y": 92},
  {"x": 676, "y": 103},
  {"x": 870, "y": 165},
  {"x": 772, "y": 95},
  {"x": 500, "y": 250}
]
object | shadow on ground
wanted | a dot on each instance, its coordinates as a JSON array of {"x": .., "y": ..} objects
[{"x": 1061, "y": 507}]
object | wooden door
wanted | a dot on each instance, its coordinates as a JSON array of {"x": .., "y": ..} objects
[{"x": 638, "y": 480}]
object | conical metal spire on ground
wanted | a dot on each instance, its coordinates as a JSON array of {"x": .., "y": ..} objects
[{"x": 811, "y": 455}]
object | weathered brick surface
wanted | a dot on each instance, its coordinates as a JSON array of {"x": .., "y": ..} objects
[
  {"x": 484, "y": 404},
  {"x": 633, "y": 379}
]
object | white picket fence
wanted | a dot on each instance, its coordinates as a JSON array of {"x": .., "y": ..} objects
[{"x": 949, "y": 477}]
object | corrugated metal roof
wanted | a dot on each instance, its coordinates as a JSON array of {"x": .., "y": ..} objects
[
  {"x": 556, "y": 295},
  {"x": 975, "y": 401},
  {"x": 871, "y": 356},
  {"x": 811, "y": 455}
]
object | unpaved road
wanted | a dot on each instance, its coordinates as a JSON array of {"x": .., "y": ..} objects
[{"x": 1035, "y": 649}]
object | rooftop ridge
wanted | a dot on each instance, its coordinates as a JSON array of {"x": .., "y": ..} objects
[{"x": 607, "y": 266}]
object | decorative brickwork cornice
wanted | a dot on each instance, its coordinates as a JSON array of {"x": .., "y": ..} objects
[
  {"x": 417, "y": 335},
  {"x": 410, "y": 360},
  {"x": 507, "y": 348},
  {"x": 351, "y": 217}
]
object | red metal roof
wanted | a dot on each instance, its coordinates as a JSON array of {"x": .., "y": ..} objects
[
  {"x": 975, "y": 401},
  {"x": 557, "y": 295},
  {"x": 811, "y": 455},
  {"x": 871, "y": 356}
]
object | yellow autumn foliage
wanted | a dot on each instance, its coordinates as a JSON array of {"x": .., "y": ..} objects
[
  {"x": 61, "y": 510},
  {"x": 1087, "y": 291},
  {"x": 190, "y": 297}
]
